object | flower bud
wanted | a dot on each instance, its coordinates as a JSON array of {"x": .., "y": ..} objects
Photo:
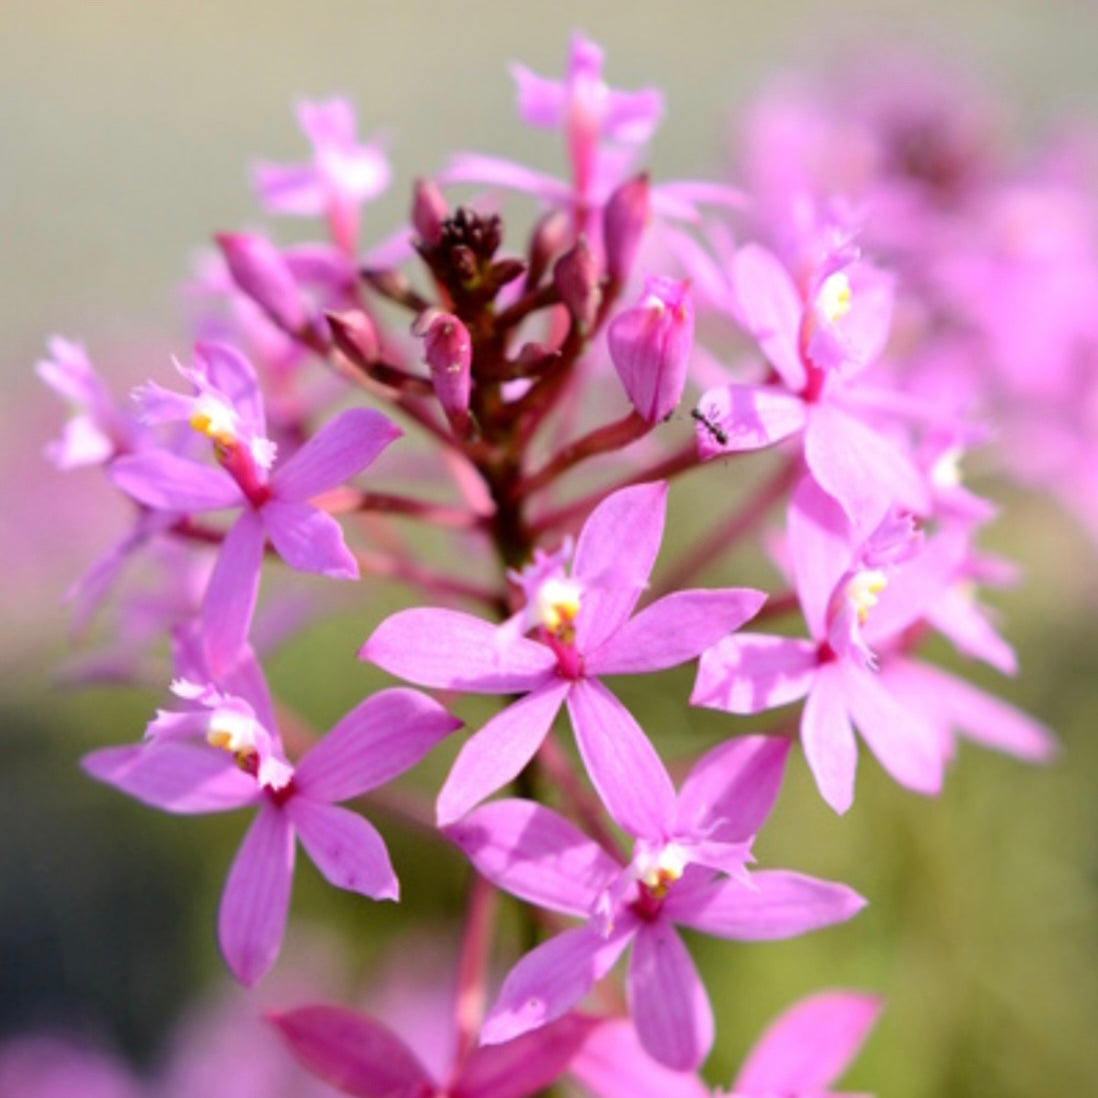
[
  {"x": 448, "y": 352},
  {"x": 550, "y": 234},
  {"x": 260, "y": 270},
  {"x": 576, "y": 277},
  {"x": 623, "y": 223},
  {"x": 354, "y": 334},
  {"x": 429, "y": 210},
  {"x": 650, "y": 345}
]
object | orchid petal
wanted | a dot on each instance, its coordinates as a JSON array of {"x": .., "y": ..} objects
[
  {"x": 672, "y": 630},
  {"x": 731, "y": 789},
  {"x": 667, "y": 999},
  {"x": 734, "y": 418},
  {"x": 905, "y": 745},
  {"x": 450, "y": 650},
  {"x": 772, "y": 308},
  {"x": 309, "y": 540},
  {"x": 821, "y": 549},
  {"x": 497, "y": 753},
  {"x": 353, "y": 1052},
  {"x": 828, "y": 739},
  {"x": 379, "y": 739},
  {"x": 808, "y": 1047},
  {"x": 552, "y": 978},
  {"x": 230, "y": 597},
  {"x": 621, "y": 762},
  {"x": 535, "y": 854},
  {"x": 752, "y": 672},
  {"x": 614, "y": 556},
  {"x": 340, "y": 449},
  {"x": 346, "y": 848},
  {"x": 776, "y": 904},
  {"x": 169, "y": 482},
  {"x": 174, "y": 777},
  {"x": 256, "y": 899}
]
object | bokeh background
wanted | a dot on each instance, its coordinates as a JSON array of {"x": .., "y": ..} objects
[{"x": 126, "y": 131}]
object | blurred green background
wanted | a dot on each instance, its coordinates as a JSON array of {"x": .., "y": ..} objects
[{"x": 126, "y": 132}]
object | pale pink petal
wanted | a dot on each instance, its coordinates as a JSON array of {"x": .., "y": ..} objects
[
  {"x": 309, "y": 540},
  {"x": 450, "y": 650},
  {"x": 256, "y": 899},
  {"x": 495, "y": 171},
  {"x": 541, "y": 102},
  {"x": 164, "y": 480},
  {"x": 353, "y": 1052},
  {"x": 733, "y": 418},
  {"x": 340, "y": 449},
  {"x": 956, "y": 614},
  {"x": 621, "y": 762},
  {"x": 526, "y": 1065},
  {"x": 863, "y": 470},
  {"x": 552, "y": 979},
  {"x": 808, "y": 1047},
  {"x": 499, "y": 751},
  {"x": 614, "y": 556},
  {"x": 752, "y": 672},
  {"x": 828, "y": 739},
  {"x": 672, "y": 630},
  {"x": 174, "y": 777},
  {"x": 821, "y": 550},
  {"x": 777, "y": 904},
  {"x": 632, "y": 117},
  {"x": 291, "y": 189},
  {"x": 614, "y": 1064},
  {"x": 905, "y": 744},
  {"x": 731, "y": 789},
  {"x": 380, "y": 738},
  {"x": 667, "y": 999},
  {"x": 772, "y": 308},
  {"x": 230, "y": 597},
  {"x": 345, "y": 847},
  {"x": 535, "y": 854}
]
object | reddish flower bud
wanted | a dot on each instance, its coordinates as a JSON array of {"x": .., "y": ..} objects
[
  {"x": 623, "y": 223},
  {"x": 550, "y": 234},
  {"x": 448, "y": 352},
  {"x": 355, "y": 335},
  {"x": 260, "y": 270},
  {"x": 576, "y": 277},
  {"x": 429, "y": 210},
  {"x": 650, "y": 344}
]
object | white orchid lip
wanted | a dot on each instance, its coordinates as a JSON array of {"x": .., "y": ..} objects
[
  {"x": 556, "y": 605},
  {"x": 834, "y": 297},
  {"x": 862, "y": 589},
  {"x": 658, "y": 869}
]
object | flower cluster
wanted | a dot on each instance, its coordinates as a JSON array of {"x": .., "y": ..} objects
[{"x": 866, "y": 329}]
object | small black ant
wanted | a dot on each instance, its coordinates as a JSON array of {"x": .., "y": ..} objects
[{"x": 714, "y": 429}]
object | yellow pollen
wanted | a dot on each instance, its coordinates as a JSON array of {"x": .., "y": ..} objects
[
  {"x": 834, "y": 297},
  {"x": 215, "y": 422},
  {"x": 657, "y": 873},
  {"x": 235, "y": 733},
  {"x": 556, "y": 605},
  {"x": 862, "y": 591}
]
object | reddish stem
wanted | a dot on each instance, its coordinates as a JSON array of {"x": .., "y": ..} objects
[{"x": 476, "y": 941}]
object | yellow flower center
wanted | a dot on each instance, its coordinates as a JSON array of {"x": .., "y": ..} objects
[
  {"x": 862, "y": 590},
  {"x": 834, "y": 297},
  {"x": 555, "y": 607}
]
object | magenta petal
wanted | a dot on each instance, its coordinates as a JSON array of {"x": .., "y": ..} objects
[
  {"x": 863, "y": 470},
  {"x": 552, "y": 979},
  {"x": 752, "y": 672},
  {"x": 450, "y": 650},
  {"x": 820, "y": 548},
  {"x": 174, "y": 777},
  {"x": 668, "y": 1000},
  {"x": 672, "y": 630},
  {"x": 379, "y": 739},
  {"x": 828, "y": 739},
  {"x": 230, "y": 597},
  {"x": 777, "y": 904},
  {"x": 256, "y": 899},
  {"x": 535, "y": 854},
  {"x": 614, "y": 1064},
  {"x": 614, "y": 556},
  {"x": 340, "y": 449},
  {"x": 525, "y": 1065},
  {"x": 772, "y": 309},
  {"x": 345, "y": 847},
  {"x": 731, "y": 789},
  {"x": 499, "y": 751},
  {"x": 808, "y": 1047},
  {"x": 172, "y": 483},
  {"x": 622, "y": 764},
  {"x": 905, "y": 745},
  {"x": 309, "y": 540},
  {"x": 353, "y": 1052},
  {"x": 734, "y": 418}
]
